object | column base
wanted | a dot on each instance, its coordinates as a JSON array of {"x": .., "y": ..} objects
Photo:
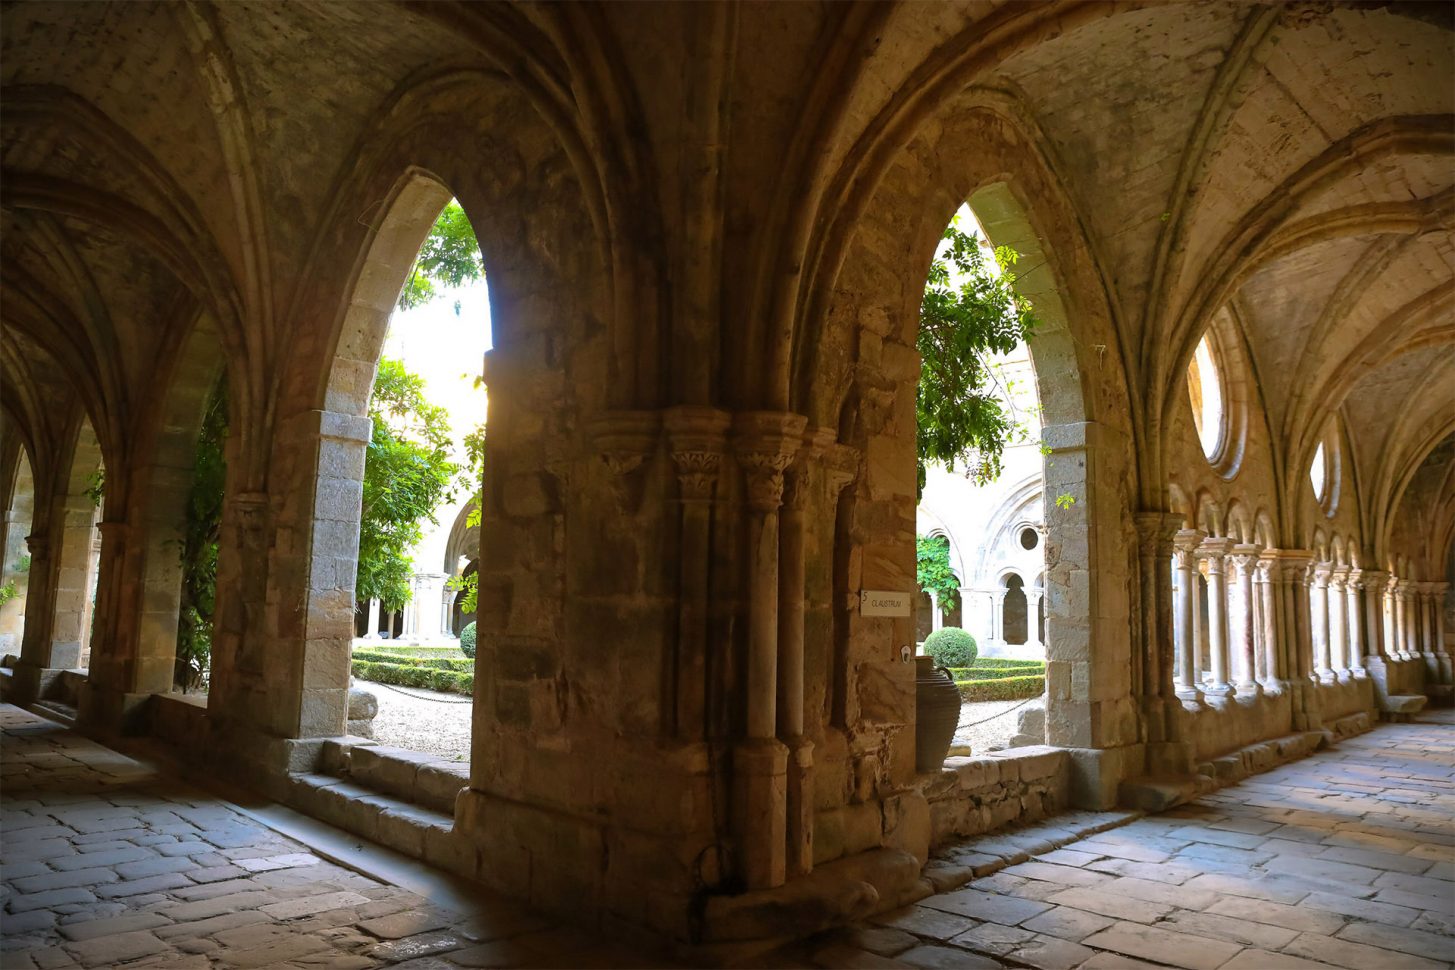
[
  {"x": 1218, "y": 690},
  {"x": 800, "y": 807},
  {"x": 760, "y": 812},
  {"x": 1325, "y": 677},
  {"x": 1253, "y": 689}
]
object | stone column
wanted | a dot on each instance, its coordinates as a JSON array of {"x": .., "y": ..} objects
[
  {"x": 1201, "y": 652},
  {"x": 997, "y": 615},
  {"x": 697, "y": 439},
  {"x": 1271, "y": 669},
  {"x": 937, "y": 619},
  {"x": 1403, "y": 627},
  {"x": 1390, "y": 613},
  {"x": 1442, "y": 655},
  {"x": 1353, "y": 598},
  {"x": 37, "y": 667},
  {"x": 1033, "y": 617},
  {"x": 981, "y": 629},
  {"x": 766, "y": 444},
  {"x": 1244, "y": 558},
  {"x": 1213, "y": 553},
  {"x": 791, "y": 593},
  {"x": 1429, "y": 621},
  {"x": 411, "y": 609},
  {"x": 372, "y": 628},
  {"x": 1184, "y": 561},
  {"x": 1319, "y": 616},
  {"x": 1338, "y": 623}
]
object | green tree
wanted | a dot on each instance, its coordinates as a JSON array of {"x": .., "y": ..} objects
[
  {"x": 969, "y": 313},
  {"x": 450, "y": 257},
  {"x": 932, "y": 569},
  {"x": 408, "y": 474},
  {"x": 201, "y": 530}
]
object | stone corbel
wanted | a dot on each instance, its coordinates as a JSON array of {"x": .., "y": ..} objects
[
  {"x": 252, "y": 516},
  {"x": 623, "y": 440}
]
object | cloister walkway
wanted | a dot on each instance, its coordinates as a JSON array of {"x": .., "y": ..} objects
[{"x": 1345, "y": 859}]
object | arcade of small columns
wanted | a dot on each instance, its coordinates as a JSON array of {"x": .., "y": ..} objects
[{"x": 1277, "y": 615}]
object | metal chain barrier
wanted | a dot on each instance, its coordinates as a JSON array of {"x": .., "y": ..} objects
[
  {"x": 421, "y": 697},
  {"x": 1001, "y": 714}
]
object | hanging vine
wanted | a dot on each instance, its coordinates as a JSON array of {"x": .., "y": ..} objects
[{"x": 199, "y": 546}]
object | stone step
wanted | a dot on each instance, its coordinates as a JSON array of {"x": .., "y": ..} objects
[
  {"x": 408, "y": 828},
  {"x": 58, "y": 711},
  {"x": 421, "y": 779}
]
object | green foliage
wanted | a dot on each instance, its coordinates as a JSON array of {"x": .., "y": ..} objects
[
  {"x": 395, "y": 651},
  {"x": 450, "y": 257},
  {"x": 407, "y": 476},
  {"x": 1065, "y": 500},
  {"x": 8, "y": 592},
  {"x": 470, "y": 584},
  {"x": 1004, "y": 689},
  {"x": 468, "y": 638},
  {"x": 22, "y": 563},
  {"x": 201, "y": 529},
  {"x": 457, "y": 664},
  {"x": 968, "y": 314},
  {"x": 95, "y": 487},
  {"x": 951, "y": 647},
  {"x": 425, "y": 678},
  {"x": 932, "y": 569},
  {"x": 988, "y": 672}
]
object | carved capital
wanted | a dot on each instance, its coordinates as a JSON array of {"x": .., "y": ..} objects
[
  {"x": 624, "y": 439},
  {"x": 766, "y": 443},
  {"x": 1212, "y": 552},
  {"x": 1267, "y": 568},
  {"x": 38, "y": 545},
  {"x": 1243, "y": 558},
  {"x": 697, "y": 438}
]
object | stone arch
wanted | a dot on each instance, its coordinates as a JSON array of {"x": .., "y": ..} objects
[
  {"x": 19, "y": 508},
  {"x": 982, "y": 150},
  {"x": 1239, "y": 523},
  {"x": 1015, "y": 623},
  {"x": 160, "y": 500},
  {"x": 74, "y": 560}
]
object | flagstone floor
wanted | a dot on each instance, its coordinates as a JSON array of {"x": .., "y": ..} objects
[{"x": 1345, "y": 859}]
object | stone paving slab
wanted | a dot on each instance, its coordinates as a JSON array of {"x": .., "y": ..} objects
[
  {"x": 109, "y": 864},
  {"x": 1343, "y": 859}
]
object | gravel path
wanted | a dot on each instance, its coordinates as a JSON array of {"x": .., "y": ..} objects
[
  {"x": 426, "y": 720},
  {"x": 1003, "y": 718},
  {"x": 422, "y": 720}
]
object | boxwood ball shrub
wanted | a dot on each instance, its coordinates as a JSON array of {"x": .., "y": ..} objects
[
  {"x": 951, "y": 647},
  {"x": 467, "y": 639}
]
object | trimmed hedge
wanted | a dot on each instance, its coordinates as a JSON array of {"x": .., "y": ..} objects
[
  {"x": 468, "y": 638},
  {"x": 993, "y": 673},
  {"x": 425, "y": 678},
  {"x": 384, "y": 646},
  {"x": 460, "y": 665},
  {"x": 1005, "y": 662},
  {"x": 1004, "y": 689}
]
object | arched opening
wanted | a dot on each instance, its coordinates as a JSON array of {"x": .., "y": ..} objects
[
  {"x": 1014, "y": 610},
  {"x": 416, "y": 323},
  {"x": 76, "y": 561},
  {"x": 15, "y": 555}
]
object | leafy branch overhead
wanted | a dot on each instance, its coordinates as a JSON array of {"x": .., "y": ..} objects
[
  {"x": 450, "y": 257},
  {"x": 969, "y": 313},
  {"x": 933, "y": 572}
]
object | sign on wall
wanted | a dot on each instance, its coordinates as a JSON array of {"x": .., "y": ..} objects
[{"x": 878, "y": 602}]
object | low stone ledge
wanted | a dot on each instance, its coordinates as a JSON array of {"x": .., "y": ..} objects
[{"x": 973, "y": 795}]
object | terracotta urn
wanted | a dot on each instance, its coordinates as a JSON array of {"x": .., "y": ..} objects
[{"x": 937, "y": 713}]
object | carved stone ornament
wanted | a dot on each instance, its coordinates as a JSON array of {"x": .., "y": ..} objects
[
  {"x": 623, "y": 440},
  {"x": 697, "y": 438},
  {"x": 38, "y": 545},
  {"x": 766, "y": 443}
]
